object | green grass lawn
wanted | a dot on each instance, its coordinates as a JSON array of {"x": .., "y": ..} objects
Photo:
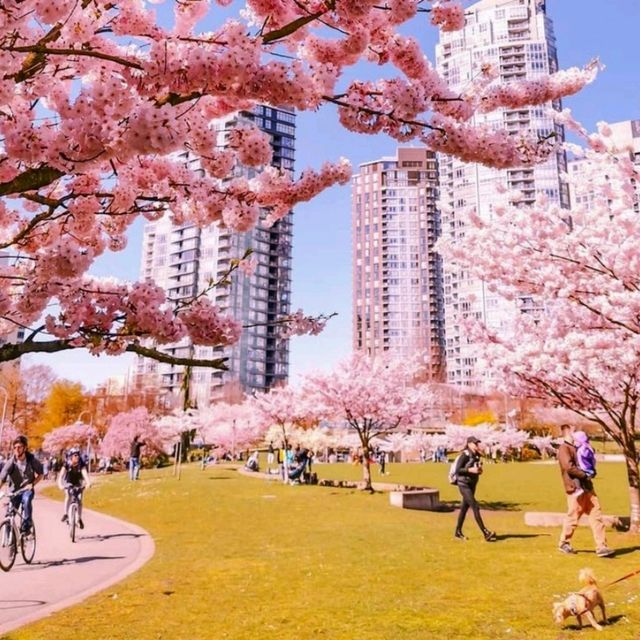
[{"x": 240, "y": 558}]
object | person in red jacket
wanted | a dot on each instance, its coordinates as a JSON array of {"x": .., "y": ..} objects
[{"x": 579, "y": 502}]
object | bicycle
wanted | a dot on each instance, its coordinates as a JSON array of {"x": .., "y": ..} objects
[
  {"x": 73, "y": 510},
  {"x": 11, "y": 535}
]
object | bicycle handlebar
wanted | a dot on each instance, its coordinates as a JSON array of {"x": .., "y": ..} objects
[{"x": 15, "y": 493}]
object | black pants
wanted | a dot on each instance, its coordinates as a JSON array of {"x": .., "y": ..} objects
[{"x": 469, "y": 500}]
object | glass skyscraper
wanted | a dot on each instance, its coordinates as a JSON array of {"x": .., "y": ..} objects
[{"x": 184, "y": 259}]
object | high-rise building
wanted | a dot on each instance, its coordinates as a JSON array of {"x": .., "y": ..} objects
[
  {"x": 516, "y": 37},
  {"x": 14, "y": 333},
  {"x": 397, "y": 278},
  {"x": 184, "y": 259}
]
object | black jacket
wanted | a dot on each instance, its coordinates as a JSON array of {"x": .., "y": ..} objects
[{"x": 466, "y": 460}]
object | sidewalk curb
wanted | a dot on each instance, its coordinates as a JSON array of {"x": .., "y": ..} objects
[{"x": 147, "y": 550}]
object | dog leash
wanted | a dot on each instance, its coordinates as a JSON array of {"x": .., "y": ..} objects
[{"x": 629, "y": 575}]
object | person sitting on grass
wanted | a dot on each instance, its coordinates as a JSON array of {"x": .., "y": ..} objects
[{"x": 252, "y": 462}]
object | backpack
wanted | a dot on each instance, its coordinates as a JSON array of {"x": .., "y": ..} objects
[{"x": 453, "y": 470}]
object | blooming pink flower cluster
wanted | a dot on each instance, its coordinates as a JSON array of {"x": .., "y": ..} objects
[
  {"x": 77, "y": 434},
  {"x": 279, "y": 194},
  {"x": 448, "y": 15},
  {"x": 205, "y": 325},
  {"x": 545, "y": 89},
  {"x": 253, "y": 146},
  {"x": 493, "y": 147},
  {"x": 299, "y": 324}
]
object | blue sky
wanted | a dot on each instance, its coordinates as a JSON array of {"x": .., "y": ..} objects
[{"x": 322, "y": 229}]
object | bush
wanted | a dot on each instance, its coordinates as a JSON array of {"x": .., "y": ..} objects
[{"x": 529, "y": 453}]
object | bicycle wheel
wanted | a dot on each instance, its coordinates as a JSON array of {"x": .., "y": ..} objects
[
  {"x": 8, "y": 546},
  {"x": 73, "y": 517},
  {"x": 28, "y": 544}
]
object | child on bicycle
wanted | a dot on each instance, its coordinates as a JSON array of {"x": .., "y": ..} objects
[
  {"x": 23, "y": 471},
  {"x": 73, "y": 477}
]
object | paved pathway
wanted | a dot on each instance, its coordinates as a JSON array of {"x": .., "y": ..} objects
[{"x": 64, "y": 573}]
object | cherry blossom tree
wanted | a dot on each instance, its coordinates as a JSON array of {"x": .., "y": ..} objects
[
  {"x": 77, "y": 434},
  {"x": 581, "y": 349},
  {"x": 107, "y": 112},
  {"x": 285, "y": 409},
  {"x": 232, "y": 427},
  {"x": 374, "y": 397},
  {"x": 581, "y": 363},
  {"x": 9, "y": 433},
  {"x": 125, "y": 426}
]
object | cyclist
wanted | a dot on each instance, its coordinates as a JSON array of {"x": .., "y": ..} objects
[
  {"x": 73, "y": 477},
  {"x": 22, "y": 470}
]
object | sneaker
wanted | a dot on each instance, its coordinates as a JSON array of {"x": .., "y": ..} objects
[
  {"x": 566, "y": 547},
  {"x": 490, "y": 536},
  {"x": 604, "y": 552},
  {"x": 65, "y": 518},
  {"x": 459, "y": 535},
  {"x": 80, "y": 523}
]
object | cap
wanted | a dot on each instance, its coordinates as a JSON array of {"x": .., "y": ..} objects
[{"x": 471, "y": 439}]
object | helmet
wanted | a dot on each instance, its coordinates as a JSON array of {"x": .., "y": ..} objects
[{"x": 74, "y": 451}]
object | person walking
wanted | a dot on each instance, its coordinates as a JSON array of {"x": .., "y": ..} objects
[
  {"x": 467, "y": 471},
  {"x": 134, "y": 458},
  {"x": 23, "y": 471},
  {"x": 581, "y": 500}
]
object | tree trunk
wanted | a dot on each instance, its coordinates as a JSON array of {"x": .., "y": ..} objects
[
  {"x": 366, "y": 468},
  {"x": 285, "y": 459},
  {"x": 633, "y": 478}
]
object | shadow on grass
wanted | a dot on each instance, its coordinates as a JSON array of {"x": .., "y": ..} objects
[
  {"x": 611, "y": 620},
  {"x": 219, "y": 478},
  {"x": 625, "y": 550},
  {"x": 499, "y": 505},
  {"x": 506, "y": 536}
]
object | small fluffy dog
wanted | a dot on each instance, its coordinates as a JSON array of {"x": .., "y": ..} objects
[{"x": 582, "y": 603}]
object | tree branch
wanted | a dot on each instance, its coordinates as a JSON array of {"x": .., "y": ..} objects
[
  {"x": 89, "y": 53},
  {"x": 13, "y": 351},
  {"x": 31, "y": 180},
  {"x": 154, "y": 354}
]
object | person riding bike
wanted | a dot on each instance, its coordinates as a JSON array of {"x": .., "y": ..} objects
[
  {"x": 73, "y": 478},
  {"x": 23, "y": 471}
]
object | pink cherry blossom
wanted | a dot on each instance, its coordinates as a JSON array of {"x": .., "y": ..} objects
[
  {"x": 109, "y": 112},
  {"x": 374, "y": 397},
  {"x": 73, "y": 435}
]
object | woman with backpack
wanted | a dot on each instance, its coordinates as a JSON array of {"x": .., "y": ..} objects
[{"x": 465, "y": 473}]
